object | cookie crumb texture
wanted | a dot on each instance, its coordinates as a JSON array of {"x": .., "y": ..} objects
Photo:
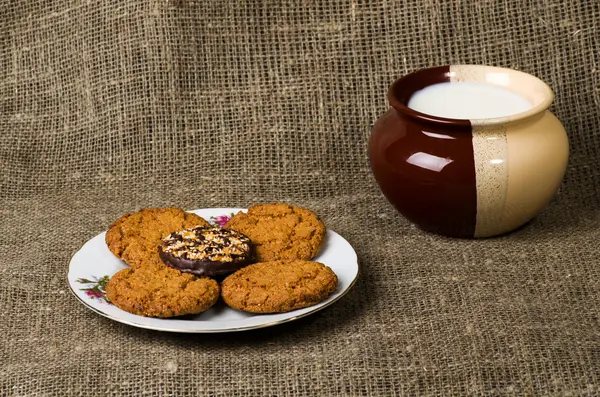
[
  {"x": 280, "y": 231},
  {"x": 135, "y": 237},
  {"x": 162, "y": 292},
  {"x": 278, "y": 286}
]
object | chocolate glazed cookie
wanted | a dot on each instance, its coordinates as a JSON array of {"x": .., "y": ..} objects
[
  {"x": 206, "y": 251},
  {"x": 280, "y": 231}
]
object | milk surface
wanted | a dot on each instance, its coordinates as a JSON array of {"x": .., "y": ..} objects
[{"x": 468, "y": 101}]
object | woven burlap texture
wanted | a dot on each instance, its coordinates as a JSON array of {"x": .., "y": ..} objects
[{"x": 110, "y": 106}]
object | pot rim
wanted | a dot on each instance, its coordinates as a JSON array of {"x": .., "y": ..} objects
[{"x": 514, "y": 80}]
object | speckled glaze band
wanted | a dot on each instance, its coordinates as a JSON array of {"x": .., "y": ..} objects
[{"x": 469, "y": 178}]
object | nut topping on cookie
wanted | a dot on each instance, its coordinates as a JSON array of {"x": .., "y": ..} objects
[{"x": 208, "y": 251}]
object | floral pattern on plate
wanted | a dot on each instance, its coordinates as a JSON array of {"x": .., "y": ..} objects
[
  {"x": 96, "y": 288},
  {"x": 221, "y": 220}
]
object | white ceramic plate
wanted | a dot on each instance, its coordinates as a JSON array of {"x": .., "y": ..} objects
[{"x": 93, "y": 265}]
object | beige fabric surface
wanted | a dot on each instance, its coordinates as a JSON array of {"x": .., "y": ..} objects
[{"x": 110, "y": 106}]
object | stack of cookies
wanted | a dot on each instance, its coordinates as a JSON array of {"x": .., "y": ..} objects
[{"x": 180, "y": 264}]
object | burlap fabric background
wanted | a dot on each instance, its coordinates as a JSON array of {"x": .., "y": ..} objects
[{"x": 110, "y": 106}]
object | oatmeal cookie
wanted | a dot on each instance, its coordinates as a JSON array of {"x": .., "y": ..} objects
[
  {"x": 206, "y": 251},
  {"x": 161, "y": 292},
  {"x": 279, "y": 286},
  {"x": 280, "y": 231},
  {"x": 135, "y": 237}
]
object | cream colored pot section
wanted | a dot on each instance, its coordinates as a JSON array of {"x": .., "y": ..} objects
[{"x": 520, "y": 160}]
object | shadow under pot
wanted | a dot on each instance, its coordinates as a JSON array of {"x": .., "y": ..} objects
[{"x": 484, "y": 172}]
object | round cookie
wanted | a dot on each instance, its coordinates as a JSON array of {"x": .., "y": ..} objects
[
  {"x": 279, "y": 286},
  {"x": 161, "y": 292},
  {"x": 135, "y": 237},
  {"x": 280, "y": 231},
  {"x": 206, "y": 251}
]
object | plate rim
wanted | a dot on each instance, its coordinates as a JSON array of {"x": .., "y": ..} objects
[{"x": 217, "y": 330}]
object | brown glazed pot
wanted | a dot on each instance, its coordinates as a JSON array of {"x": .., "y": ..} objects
[{"x": 469, "y": 178}]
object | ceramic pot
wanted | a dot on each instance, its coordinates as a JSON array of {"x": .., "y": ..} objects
[{"x": 469, "y": 178}]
